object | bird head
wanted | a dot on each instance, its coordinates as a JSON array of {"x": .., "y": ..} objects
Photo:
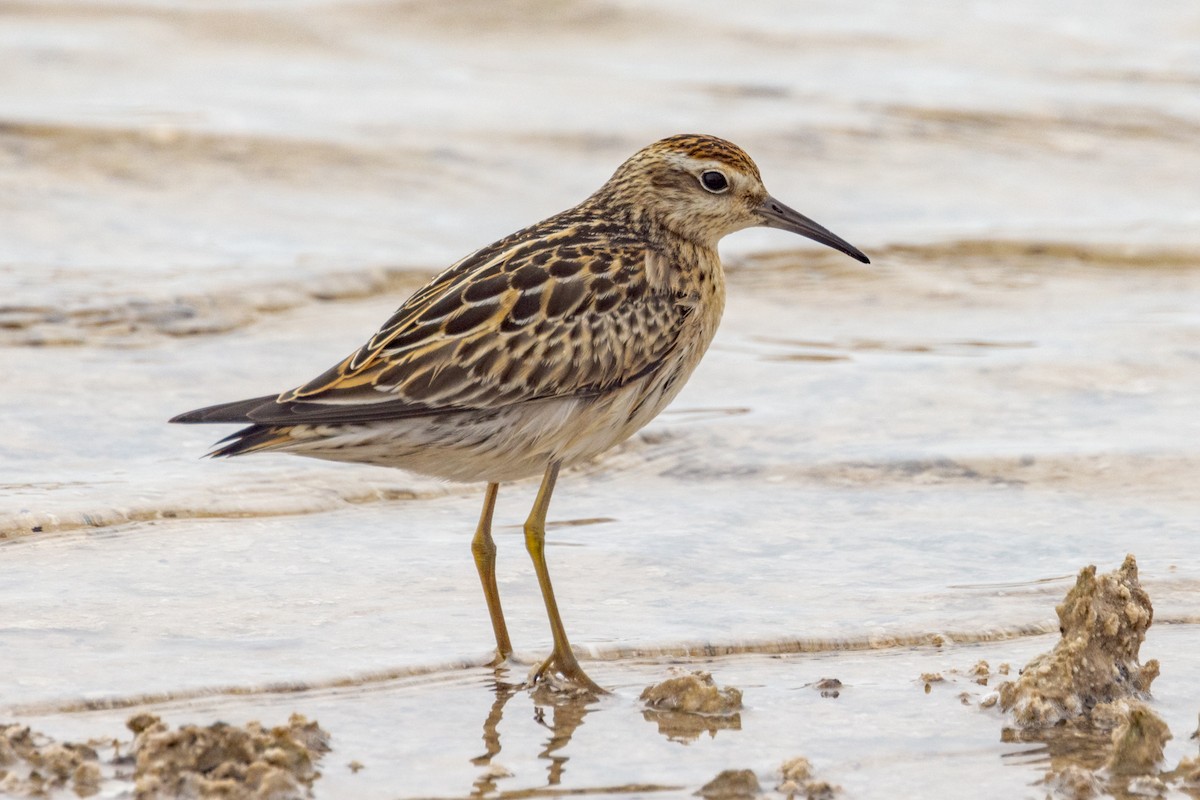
[{"x": 702, "y": 188}]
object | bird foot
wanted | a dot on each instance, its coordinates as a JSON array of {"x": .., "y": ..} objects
[{"x": 564, "y": 675}]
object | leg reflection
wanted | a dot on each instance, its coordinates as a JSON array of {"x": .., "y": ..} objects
[
  {"x": 485, "y": 784},
  {"x": 560, "y": 711},
  {"x": 567, "y": 712}
]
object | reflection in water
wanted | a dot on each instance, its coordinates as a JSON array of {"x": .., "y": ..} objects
[
  {"x": 1061, "y": 746},
  {"x": 1071, "y": 754},
  {"x": 568, "y": 708},
  {"x": 685, "y": 727},
  {"x": 486, "y": 782}
]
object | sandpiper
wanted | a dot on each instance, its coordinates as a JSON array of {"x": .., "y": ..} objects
[{"x": 539, "y": 351}]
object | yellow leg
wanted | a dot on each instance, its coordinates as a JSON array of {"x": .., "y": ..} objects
[
  {"x": 535, "y": 542},
  {"x": 484, "y": 550}
]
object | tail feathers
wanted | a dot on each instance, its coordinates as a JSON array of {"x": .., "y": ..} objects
[
  {"x": 247, "y": 440},
  {"x": 237, "y": 411},
  {"x": 251, "y": 439}
]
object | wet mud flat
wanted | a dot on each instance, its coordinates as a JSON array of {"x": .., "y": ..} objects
[{"x": 1067, "y": 715}]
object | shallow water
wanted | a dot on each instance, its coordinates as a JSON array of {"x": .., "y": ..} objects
[
  {"x": 878, "y": 736},
  {"x": 201, "y": 203}
]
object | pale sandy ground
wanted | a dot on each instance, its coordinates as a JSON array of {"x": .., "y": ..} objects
[{"x": 202, "y": 202}]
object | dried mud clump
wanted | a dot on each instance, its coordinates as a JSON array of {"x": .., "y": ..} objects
[
  {"x": 32, "y": 765},
  {"x": 1074, "y": 782},
  {"x": 797, "y": 780},
  {"x": 1138, "y": 742},
  {"x": 693, "y": 693},
  {"x": 732, "y": 784},
  {"x": 1083, "y": 699},
  {"x": 226, "y": 761},
  {"x": 1187, "y": 774},
  {"x": 218, "y": 761},
  {"x": 688, "y": 705},
  {"x": 1103, "y": 620}
]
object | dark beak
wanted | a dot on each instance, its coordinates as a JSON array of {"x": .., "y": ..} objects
[{"x": 775, "y": 214}]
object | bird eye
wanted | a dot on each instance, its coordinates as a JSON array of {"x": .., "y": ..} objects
[{"x": 714, "y": 181}]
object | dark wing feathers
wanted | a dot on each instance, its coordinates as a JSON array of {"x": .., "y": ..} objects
[
  {"x": 237, "y": 411},
  {"x": 561, "y": 309}
]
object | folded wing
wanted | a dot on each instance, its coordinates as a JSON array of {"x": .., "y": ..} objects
[{"x": 557, "y": 310}]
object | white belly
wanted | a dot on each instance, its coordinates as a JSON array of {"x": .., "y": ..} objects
[{"x": 503, "y": 444}]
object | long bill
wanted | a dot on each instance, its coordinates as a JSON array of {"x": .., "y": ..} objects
[{"x": 775, "y": 214}]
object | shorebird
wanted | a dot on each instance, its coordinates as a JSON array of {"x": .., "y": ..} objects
[{"x": 539, "y": 351}]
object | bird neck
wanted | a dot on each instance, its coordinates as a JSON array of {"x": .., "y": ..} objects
[{"x": 648, "y": 223}]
